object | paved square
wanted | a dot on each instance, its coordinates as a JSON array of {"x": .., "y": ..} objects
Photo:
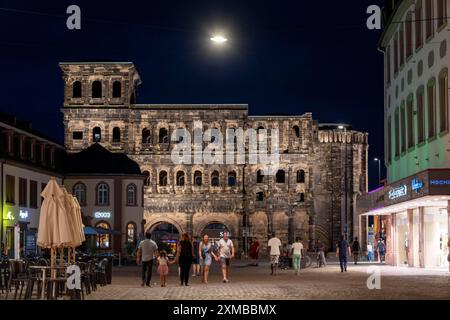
[{"x": 255, "y": 283}]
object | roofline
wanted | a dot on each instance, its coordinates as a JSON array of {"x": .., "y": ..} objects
[
  {"x": 36, "y": 136},
  {"x": 190, "y": 106},
  {"x": 95, "y": 62},
  {"x": 96, "y": 175}
]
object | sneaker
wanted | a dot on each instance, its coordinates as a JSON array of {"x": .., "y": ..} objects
[{"x": 194, "y": 275}]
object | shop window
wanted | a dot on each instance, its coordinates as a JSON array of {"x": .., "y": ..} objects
[
  {"x": 10, "y": 189},
  {"x": 215, "y": 179},
  {"x": 76, "y": 90},
  {"x": 180, "y": 178},
  {"x": 280, "y": 176},
  {"x": 232, "y": 179},
  {"x": 102, "y": 194},
  {"x": 116, "y": 134},
  {"x": 23, "y": 192},
  {"x": 79, "y": 191},
  {"x": 163, "y": 135},
  {"x": 300, "y": 176},
  {"x": 163, "y": 178},
  {"x": 117, "y": 89},
  {"x": 96, "y": 89},
  {"x": 77, "y": 135},
  {"x": 96, "y": 134},
  {"x": 131, "y": 232},
  {"x": 198, "y": 178},
  {"x": 146, "y": 139},
  {"x": 103, "y": 240},
  {"x": 131, "y": 195}
]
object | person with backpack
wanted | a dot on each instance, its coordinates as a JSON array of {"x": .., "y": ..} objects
[{"x": 356, "y": 248}]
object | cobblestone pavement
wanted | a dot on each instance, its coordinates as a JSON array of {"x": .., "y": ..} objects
[{"x": 255, "y": 283}]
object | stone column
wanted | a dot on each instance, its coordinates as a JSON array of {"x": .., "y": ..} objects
[
  {"x": 410, "y": 252},
  {"x": 421, "y": 238},
  {"x": 190, "y": 223}
]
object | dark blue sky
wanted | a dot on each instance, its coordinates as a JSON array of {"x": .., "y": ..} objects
[{"x": 283, "y": 57}]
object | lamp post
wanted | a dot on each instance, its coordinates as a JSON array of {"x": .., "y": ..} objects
[
  {"x": 342, "y": 127},
  {"x": 379, "y": 170}
]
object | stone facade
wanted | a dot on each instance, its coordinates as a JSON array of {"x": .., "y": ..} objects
[{"x": 313, "y": 156}]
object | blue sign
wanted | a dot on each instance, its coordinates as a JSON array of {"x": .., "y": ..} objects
[
  {"x": 416, "y": 185},
  {"x": 439, "y": 182}
]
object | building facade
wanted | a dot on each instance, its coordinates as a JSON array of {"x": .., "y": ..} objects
[
  {"x": 306, "y": 197},
  {"x": 415, "y": 44},
  {"x": 27, "y": 162}
]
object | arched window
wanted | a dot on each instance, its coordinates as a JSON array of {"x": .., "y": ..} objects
[
  {"x": 117, "y": 89},
  {"x": 76, "y": 89},
  {"x": 215, "y": 179},
  {"x": 146, "y": 136},
  {"x": 296, "y": 131},
  {"x": 260, "y": 128},
  {"x": 198, "y": 178},
  {"x": 131, "y": 232},
  {"x": 131, "y": 195},
  {"x": 147, "y": 178},
  {"x": 102, "y": 194},
  {"x": 163, "y": 178},
  {"x": 259, "y": 176},
  {"x": 260, "y": 196},
  {"x": 280, "y": 176},
  {"x": 96, "y": 89},
  {"x": 97, "y": 134},
  {"x": 232, "y": 179},
  {"x": 103, "y": 240},
  {"x": 79, "y": 191},
  {"x": 180, "y": 178},
  {"x": 116, "y": 134},
  {"x": 300, "y": 176},
  {"x": 163, "y": 135}
]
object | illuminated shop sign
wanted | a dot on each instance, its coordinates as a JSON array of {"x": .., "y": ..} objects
[
  {"x": 437, "y": 182},
  {"x": 23, "y": 214},
  {"x": 9, "y": 216},
  {"x": 416, "y": 185},
  {"x": 102, "y": 215},
  {"x": 398, "y": 192}
]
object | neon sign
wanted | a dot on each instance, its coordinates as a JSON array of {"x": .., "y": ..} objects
[
  {"x": 398, "y": 192},
  {"x": 23, "y": 214},
  {"x": 416, "y": 185},
  {"x": 439, "y": 182},
  {"x": 9, "y": 216},
  {"x": 102, "y": 215}
]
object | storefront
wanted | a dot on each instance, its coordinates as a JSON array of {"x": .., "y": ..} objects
[{"x": 412, "y": 217}]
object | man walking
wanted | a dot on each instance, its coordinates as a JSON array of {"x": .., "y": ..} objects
[
  {"x": 343, "y": 251},
  {"x": 147, "y": 250},
  {"x": 226, "y": 253},
  {"x": 355, "y": 250},
  {"x": 274, "y": 247}
]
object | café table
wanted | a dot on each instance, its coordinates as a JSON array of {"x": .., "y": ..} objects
[{"x": 44, "y": 271}]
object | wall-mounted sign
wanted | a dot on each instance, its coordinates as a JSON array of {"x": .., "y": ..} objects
[
  {"x": 102, "y": 215},
  {"x": 398, "y": 192},
  {"x": 416, "y": 185},
  {"x": 437, "y": 182},
  {"x": 9, "y": 216},
  {"x": 23, "y": 214}
]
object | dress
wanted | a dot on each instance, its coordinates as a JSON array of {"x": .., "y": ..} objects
[
  {"x": 254, "y": 252},
  {"x": 163, "y": 268},
  {"x": 206, "y": 258}
]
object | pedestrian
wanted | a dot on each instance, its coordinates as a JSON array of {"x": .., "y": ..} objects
[
  {"x": 297, "y": 254},
  {"x": 343, "y": 251},
  {"x": 320, "y": 250},
  {"x": 147, "y": 251},
  {"x": 369, "y": 252},
  {"x": 184, "y": 257},
  {"x": 195, "y": 261},
  {"x": 225, "y": 254},
  {"x": 254, "y": 252},
  {"x": 356, "y": 248},
  {"x": 274, "y": 247},
  {"x": 163, "y": 268},
  {"x": 381, "y": 250},
  {"x": 206, "y": 254}
]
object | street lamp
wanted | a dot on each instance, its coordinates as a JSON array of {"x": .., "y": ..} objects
[
  {"x": 379, "y": 170},
  {"x": 218, "y": 39}
]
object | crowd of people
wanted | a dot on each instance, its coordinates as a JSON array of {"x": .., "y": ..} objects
[{"x": 199, "y": 256}]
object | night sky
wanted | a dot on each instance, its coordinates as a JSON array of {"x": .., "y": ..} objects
[{"x": 285, "y": 57}]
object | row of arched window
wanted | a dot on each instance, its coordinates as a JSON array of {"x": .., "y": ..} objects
[
  {"x": 104, "y": 240},
  {"x": 180, "y": 179},
  {"x": 96, "y": 89},
  {"x": 280, "y": 176},
  {"x": 102, "y": 194}
]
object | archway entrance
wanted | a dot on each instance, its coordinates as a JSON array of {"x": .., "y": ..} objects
[
  {"x": 215, "y": 231},
  {"x": 166, "y": 236}
]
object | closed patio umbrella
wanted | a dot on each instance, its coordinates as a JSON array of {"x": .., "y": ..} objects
[
  {"x": 71, "y": 216},
  {"x": 79, "y": 220}
]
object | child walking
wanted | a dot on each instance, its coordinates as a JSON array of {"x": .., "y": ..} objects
[{"x": 163, "y": 268}]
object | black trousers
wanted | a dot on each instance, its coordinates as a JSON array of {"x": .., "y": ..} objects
[
  {"x": 147, "y": 271},
  {"x": 185, "y": 269},
  {"x": 343, "y": 262}
]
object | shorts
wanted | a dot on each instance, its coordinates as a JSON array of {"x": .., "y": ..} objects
[
  {"x": 274, "y": 259},
  {"x": 163, "y": 270},
  {"x": 225, "y": 261}
]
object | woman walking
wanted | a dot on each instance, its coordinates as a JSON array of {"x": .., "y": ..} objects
[
  {"x": 205, "y": 253},
  {"x": 185, "y": 255}
]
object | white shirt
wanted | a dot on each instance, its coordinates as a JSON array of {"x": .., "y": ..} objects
[
  {"x": 298, "y": 247},
  {"x": 369, "y": 248},
  {"x": 225, "y": 248},
  {"x": 148, "y": 248},
  {"x": 274, "y": 245}
]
